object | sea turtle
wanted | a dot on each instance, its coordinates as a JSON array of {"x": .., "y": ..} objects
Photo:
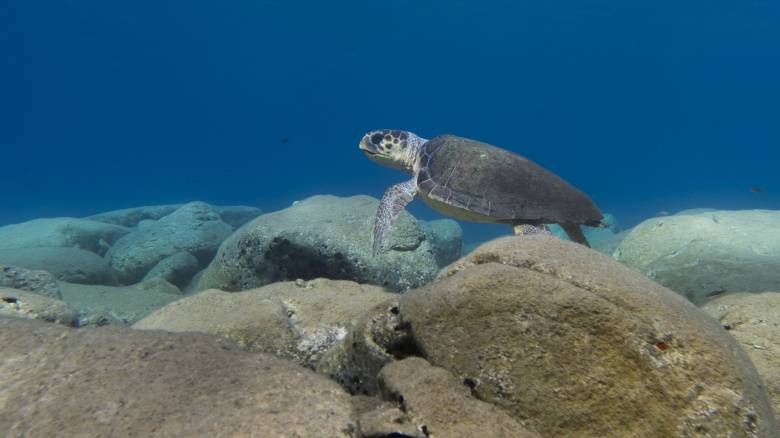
[{"x": 475, "y": 181}]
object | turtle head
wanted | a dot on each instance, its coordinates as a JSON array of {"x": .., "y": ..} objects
[{"x": 390, "y": 148}]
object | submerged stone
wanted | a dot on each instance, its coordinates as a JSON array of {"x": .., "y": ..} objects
[
  {"x": 701, "y": 253},
  {"x": 115, "y": 381},
  {"x": 323, "y": 236},
  {"x": 302, "y": 321},
  {"x": 195, "y": 228},
  {"x": 754, "y": 320},
  {"x": 576, "y": 344}
]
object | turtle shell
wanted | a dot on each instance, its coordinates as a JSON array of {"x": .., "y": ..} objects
[{"x": 477, "y": 181}]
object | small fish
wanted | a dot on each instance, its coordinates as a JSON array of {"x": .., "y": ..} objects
[
  {"x": 284, "y": 140},
  {"x": 715, "y": 293},
  {"x": 756, "y": 189}
]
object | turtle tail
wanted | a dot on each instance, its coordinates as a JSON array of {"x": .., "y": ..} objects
[{"x": 575, "y": 233}]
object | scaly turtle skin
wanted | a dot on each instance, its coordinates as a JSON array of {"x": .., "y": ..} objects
[{"x": 475, "y": 181}]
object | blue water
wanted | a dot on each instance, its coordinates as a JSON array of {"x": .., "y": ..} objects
[{"x": 646, "y": 107}]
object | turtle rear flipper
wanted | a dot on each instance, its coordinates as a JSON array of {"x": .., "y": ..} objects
[{"x": 575, "y": 233}]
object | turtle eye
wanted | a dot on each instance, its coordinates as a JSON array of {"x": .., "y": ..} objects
[{"x": 377, "y": 139}]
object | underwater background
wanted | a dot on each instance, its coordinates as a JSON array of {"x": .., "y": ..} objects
[
  {"x": 647, "y": 108},
  {"x": 188, "y": 238}
]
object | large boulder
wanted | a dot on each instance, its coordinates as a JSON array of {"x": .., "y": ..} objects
[
  {"x": 35, "y": 281},
  {"x": 754, "y": 319},
  {"x": 112, "y": 381},
  {"x": 578, "y": 345},
  {"x": 699, "y": 254},
  {"x": 301, "y": 320},
  {"x": 62, "y": 232},
  {"x": 23, "y": 304},
  {"x": 322, "y": 236},
  {"x": 73, "y": 265},
  {"x": 194, "y": 227},
  {"x": 102, "y": 305},
  {"x": 446, "y": 239}
]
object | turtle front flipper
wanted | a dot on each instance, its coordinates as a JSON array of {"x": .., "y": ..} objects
[{"x": 393, "y": 202}]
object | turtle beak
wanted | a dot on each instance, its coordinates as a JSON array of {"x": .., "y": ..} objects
[{"x": 367, "y": 147}]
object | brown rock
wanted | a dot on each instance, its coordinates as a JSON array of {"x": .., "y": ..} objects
[
  {"x": 115, "y": 381},
  {"x": 576, "y": 344},
  {"x": 440, "y": 405},
  {"x": 754, "y": 319},
  {"x": 300, "y": 320}
]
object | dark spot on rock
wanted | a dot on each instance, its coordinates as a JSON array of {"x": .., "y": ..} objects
[
  {"x": 387, "y": 137},
  {"x": 715, "y": 293},
  {"x": 376, "y": 139},
  {"x": 404, "y": 136},
  {"x": 663, "y": 346},
  {"x": 403, "y": 144},
  {"x": 394, "y": 310},
  {"x": 402, "y": 345},
  {"x": 472, "y": 384},
  {"x": 10, "y": 300},
  {"x": 395, "y": 140},
  {"x": 290, "y": 261}
]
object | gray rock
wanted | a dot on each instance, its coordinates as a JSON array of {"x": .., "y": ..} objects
[
  {"x": 195, "y": 228},
  {"x": 423, "y": 391},
  {"x": 446, "y": 239},
  {"x": 301, "y": 321},
  {"x": 23, "y": 304},
  {"x": 130, "y": 217},
  {"x": 35, "y": 281},
  {"x": 233, "y": 215},
  {"x": 101, "y": 305},
  {"x": 61, "y": 232},
  {"x": 114, "y": 381},
  {"x": 704, "y": 254},
  {"x": 237, "y": 215},
  {"x": 577, "y": 344},
  {"x": 323, "y": 236},
  {"x": 178, "y": 269},
  {"x": 66, "y": 264},
  {"x": 754, "y": 320}
]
